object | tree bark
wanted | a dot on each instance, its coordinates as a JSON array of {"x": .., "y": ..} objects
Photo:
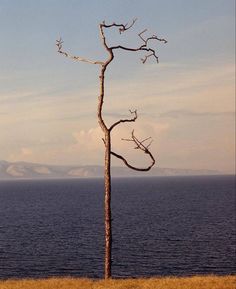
[
  {"x": 107, "y": 206},
  {"x": 107, "y": 176}
]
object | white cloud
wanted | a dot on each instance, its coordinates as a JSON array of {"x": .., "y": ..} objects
[
  {"x": 88, "y": 139},
  {"x": 88, "y": 147},
  {"x": 23, "y": 153},
  {"x": 59, "y": 137},
  {"x": 26, "y": 151}
]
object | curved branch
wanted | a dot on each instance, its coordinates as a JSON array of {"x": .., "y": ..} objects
[
  {"x": 76, "y": 58},
  {"x": 141, "y": 48},
  {"x": 102, "y": 80},
  {"x": 125, "y": 120},
  {"x": 139, "y": 145},
  {"x": 149, "y": 55}
]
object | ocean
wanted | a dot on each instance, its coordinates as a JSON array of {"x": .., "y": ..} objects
[{"x": 162, "y": 226}]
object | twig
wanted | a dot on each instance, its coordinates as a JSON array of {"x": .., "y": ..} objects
[
  {"x": 122, "y": 27},
  {"x": 139, "y": 145},
  {"x": 76, "y": 58}
]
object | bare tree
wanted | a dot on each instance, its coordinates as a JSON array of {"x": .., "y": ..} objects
[{"x": 142, "y": 145}]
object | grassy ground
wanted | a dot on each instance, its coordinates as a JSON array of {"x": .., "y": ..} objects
[{"x": 197, "y": 282}]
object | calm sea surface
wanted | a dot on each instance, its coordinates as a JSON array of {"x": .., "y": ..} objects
[{"x": 161, "y": 226}]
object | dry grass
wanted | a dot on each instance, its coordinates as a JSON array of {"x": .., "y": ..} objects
[{"x": 196, "y": 282}]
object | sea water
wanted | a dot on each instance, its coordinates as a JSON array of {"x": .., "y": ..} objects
[{"x": 161, "y": 226}]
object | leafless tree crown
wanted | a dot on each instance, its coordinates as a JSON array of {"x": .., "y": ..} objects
[{"x": 148, "y": 53}]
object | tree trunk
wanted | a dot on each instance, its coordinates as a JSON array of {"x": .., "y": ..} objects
[
  {"x": 107, "y": 205},
  {"x": 107, "y": 130}
]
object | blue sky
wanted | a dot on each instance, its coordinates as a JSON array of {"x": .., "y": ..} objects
[{"x": 186, "y": 103}]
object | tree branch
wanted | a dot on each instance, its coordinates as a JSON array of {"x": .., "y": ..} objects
[
  {"x": 153, "y": 37},
  {"x": 138, "y": 145},
  {"x": 76, "y": 58},
  {"x": 122, "y": 27},
  {"x": 143, "y": 47},
  {"x": 134, "y": 112}
]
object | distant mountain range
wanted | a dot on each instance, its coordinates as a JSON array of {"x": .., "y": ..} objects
[{"x": 24, "y": 170}]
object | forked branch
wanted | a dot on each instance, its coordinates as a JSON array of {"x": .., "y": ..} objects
[
  {"x": 141, "y": 146},
  {"x": 143, "y": 47},
  {"x": 122, "y": 27}
]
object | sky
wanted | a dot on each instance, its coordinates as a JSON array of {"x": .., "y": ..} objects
[{"x": 186, "y": 103}]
